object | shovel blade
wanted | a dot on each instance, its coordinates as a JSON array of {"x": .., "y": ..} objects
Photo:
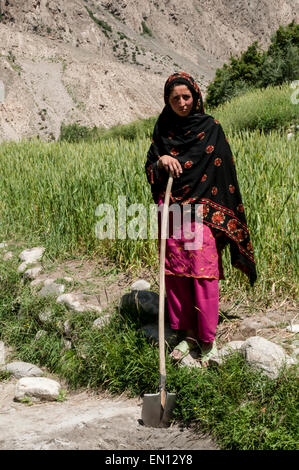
[{"x": 153, "y": 414}]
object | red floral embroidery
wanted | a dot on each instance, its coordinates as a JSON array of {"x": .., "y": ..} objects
[
  {"x": 205, "y": 210},
  {"x": 215, "y": 120},
  {"x": 188, "y": 132},
  {"x": 250, "y": 247},
  {"x": 232, "y": 225},
  {"x": 174, "y": 152},
  {"x": 201, "y": 135},
  {"x": 188, "y": 164},
  {"x": 209, "y": 149},
  {"x": 218, "y": 218},
  {"x": 240, "y": 208},
  {"x": 233, "y": 160},
  {"x": 190, "y": 199},
  {"x": 204, "y": 177},
  {"x": 240, "y": 235},
  {"x": 214, "y": 190},
  {"x": 217, "y": 161},
  {"x": 231, "y": 189}
]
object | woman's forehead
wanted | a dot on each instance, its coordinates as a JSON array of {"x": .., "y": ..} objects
[{"x": 179, "y": 89}]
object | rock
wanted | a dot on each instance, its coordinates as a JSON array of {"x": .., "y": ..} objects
[
  {"x": 46, "y": 316},
  {"x": 32, "y": 273},
  {"x": 2, "y": 353},
  {"x": 101, "y": 321},
  {"x": 32, "y": 255},
  {"x": 265, "y": 355},
  {"x": 190, "y": 361},
  {"x": 67, "y": 328},
  {"x": 22, "y": 268},
  {"x": 51, "y": 289},
  {"x": 37, "y": 389},
  {"x": 76, "y": 302},
  {"x": 23, "y": 369},
  {"x": 228, "y": 349},
  {"x": 151, "y": 332},
  {"x": 142, "y": 304},
  {"x": 293, "y": 328},
  {"x": 40, "y": 334},
  {"x": 141, "y": 284},
  {"x": 3, "y": 245},
  {"x": 7, "y": 256}
]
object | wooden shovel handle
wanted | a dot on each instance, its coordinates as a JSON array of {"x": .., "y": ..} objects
[{"x": 162, "y": 291}]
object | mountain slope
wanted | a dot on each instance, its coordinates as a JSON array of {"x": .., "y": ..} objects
[{"x": 104, "y": 62}]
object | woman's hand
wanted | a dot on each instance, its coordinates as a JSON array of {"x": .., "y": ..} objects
[{"x": 171, "y": 165}]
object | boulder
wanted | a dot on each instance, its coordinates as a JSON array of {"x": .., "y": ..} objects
[
  {"x": 23, "y": 369},
  {"x": 33, "y": 272},
  {"x": 265, "y": 355},
  {"x": 228, "y": 349},
  {"x": 142, "y": 304},
  {"x": 77, "y": 303},
  {"x": 151, "y": 331},
  {"x": 51, "y": 289},
  {"x": 32, "y": 255},
  {"x": 140, "y": 284},
  {"x": 37, "y": 389}
]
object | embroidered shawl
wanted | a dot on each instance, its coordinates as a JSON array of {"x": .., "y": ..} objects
[{"x": 209, "y": 176}]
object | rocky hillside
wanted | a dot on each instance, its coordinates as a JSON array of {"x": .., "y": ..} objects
[{"x": 103, "y": 62}]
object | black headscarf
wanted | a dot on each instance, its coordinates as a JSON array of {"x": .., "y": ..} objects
[{"x": 209, "y": 175}]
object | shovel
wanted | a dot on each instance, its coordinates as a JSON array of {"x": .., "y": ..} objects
[{"x": 157, "y": 407}]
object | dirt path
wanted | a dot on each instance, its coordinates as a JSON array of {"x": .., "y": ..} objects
[{"x": 86, "y": 422}]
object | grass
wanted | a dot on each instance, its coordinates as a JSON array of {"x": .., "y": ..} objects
[
  {"x": 264, "y": 109},
  {"x": 243, "y": 409},
  {"x": 50, "y": 193}
]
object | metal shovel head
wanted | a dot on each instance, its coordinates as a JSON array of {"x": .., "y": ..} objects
[{"x": 153, "y": 414}]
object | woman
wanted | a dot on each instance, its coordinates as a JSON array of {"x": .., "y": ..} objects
[{"x": 191, "y": 146}]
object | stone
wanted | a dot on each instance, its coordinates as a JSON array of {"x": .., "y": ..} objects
[
  {"x": 23, "y": 369},
  {"x": 8, "y": 255},
  {"x": 142, "y": 304},
  {"x": 265, "y": 355},
  {"x": 101, "y": 321},
  {"x": 22, "y": 268},
  {"x": 293, "y": 328},
  {"x": 46, "y": 316},
  {"x": 141, "y": 284},
  {"x": 32, "y": 255},
  {"x": 2, "y": 353},
  {"x": 33, "y": 272},
  {"x": 228, "y": 349},
  {"x": 40, "y": 334},
  {"x": 151, "y": 331},
  {"x": 51, "y": 289},
  {"x": 37, "y": 389},
  {"x": 76, "y": 303}
]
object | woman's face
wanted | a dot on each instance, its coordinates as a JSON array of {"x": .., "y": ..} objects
[{"x": 181, "y": 100}]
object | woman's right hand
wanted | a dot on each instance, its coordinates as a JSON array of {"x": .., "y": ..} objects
[{"x": 171, "y": 165}]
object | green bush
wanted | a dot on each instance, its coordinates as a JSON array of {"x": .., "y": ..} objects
[{"x": 256, "y": 68}]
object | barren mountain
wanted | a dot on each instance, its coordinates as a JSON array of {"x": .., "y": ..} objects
[{"x": 103, "y": 62}]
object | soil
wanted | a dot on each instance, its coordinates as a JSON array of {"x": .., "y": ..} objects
[{"x": 86, "y": 421}]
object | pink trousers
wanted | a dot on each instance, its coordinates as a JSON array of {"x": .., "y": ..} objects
[{"x": 193, "y": 304}]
